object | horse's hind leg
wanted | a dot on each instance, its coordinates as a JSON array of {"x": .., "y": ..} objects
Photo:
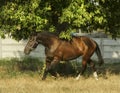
[
  {"x": 92, "y": 64},
  {"x": 84, "y": 66}
]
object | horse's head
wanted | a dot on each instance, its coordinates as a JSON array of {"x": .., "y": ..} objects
[{"x": 32, "y": 44}]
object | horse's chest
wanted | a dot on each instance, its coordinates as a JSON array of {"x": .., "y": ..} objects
[{"x": 51, "y": 50}]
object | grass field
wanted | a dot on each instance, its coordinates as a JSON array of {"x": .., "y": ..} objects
[
  {"x": 27, "y": 84},
  {"x": 30, "y": 82}
]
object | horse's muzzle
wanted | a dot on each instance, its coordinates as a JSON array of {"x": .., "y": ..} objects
[{"x": 26, "y": 52}]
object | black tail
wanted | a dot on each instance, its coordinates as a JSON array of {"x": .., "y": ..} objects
[{"x": 98, "y": 52}]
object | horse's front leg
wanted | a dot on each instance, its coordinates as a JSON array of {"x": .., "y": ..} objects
[
  {"x": 50, "y": 68},
  {"x": 46, "y": 70}
]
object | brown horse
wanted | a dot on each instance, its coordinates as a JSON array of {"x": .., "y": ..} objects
[{"x": 57, "y": 50}]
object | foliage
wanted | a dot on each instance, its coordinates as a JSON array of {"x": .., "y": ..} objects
[
  {"x": 14, "y": 66},
  {"x": 23, "y": 64},
  {"x": 19, "y": 18},
  {"x": 112, "y": 13}
]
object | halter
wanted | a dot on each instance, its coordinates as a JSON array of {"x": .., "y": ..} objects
[{"x": 31, "y": 47}]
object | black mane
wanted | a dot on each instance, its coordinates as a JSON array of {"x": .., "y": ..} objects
[{"x": 49, "y": 33}]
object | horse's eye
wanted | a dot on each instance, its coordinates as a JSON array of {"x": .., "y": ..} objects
[{"x": 31, "y": 39}]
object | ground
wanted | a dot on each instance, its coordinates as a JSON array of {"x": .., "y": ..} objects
[
  {"x": 27, "y": 84},
  {"x": 30, "y": 81}
]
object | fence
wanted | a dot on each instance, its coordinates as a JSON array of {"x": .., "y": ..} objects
[
  {"x": 110, "y": 49},
  {"x": 10, "y": 48}
]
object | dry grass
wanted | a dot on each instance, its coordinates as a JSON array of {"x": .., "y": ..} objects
[
  {"x": 26, "y": 84},
  {"x": 14, "y": 80}
]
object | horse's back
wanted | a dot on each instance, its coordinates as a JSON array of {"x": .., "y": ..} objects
[{"x": 87, "y": 40}]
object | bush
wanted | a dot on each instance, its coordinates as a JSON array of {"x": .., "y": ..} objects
[
  {"x": 66, "y": 68},
  {"x": 24, "y": 64}
]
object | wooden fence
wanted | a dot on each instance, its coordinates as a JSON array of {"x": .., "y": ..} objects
[{"x": 10, "y": 48}]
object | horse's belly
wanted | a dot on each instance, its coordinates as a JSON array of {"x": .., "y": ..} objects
[{"x": 69, "y": 55}]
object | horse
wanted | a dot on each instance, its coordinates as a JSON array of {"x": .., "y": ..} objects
[{"x": 57, "y": 50}]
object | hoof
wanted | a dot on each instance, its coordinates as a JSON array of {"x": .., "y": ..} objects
[
  {"x": 43, "y": 78},
  {"x": 95, "y": 75},
  {"x": 78, "y": 77}
]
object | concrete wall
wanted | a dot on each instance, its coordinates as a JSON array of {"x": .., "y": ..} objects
[
  {"x": 110, "y": 49},
  {"x": 11, "y": 48}
]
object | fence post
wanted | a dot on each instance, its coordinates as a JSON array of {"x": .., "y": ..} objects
[
  {"x": 0, "y": 48},
  {"x": 102, "y": 46}
]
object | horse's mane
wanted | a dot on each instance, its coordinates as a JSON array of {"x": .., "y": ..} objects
[
  {"x": 45, "y": 33},
  {"x": 55, "y": 35},
  {"x": 49, "y": 34}
]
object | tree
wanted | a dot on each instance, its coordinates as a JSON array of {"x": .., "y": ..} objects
[
  {"x": 112, "y": 13},
  {"x": 19, "y": 18}
]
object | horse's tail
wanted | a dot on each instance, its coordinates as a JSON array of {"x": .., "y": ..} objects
[{"x": 98, "y": 52}]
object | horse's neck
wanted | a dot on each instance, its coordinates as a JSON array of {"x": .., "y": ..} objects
[{"x": 48, "y": 41}]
